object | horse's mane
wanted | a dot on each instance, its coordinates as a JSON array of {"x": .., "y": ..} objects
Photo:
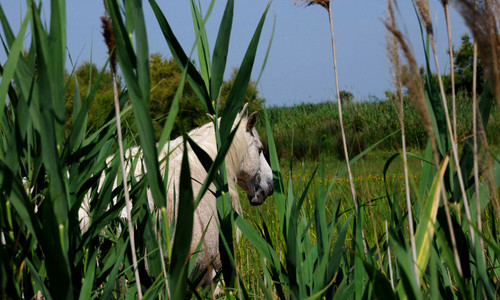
[{"x": 204, "y": 137}]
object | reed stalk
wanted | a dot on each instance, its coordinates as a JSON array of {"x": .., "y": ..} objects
[
  {"x": 109, "y": 39},
  {"x": 339, "y": 107},
  {"x": 328, "y": 6},
  {"x": 399, "y": 107},
  {"x": 342, "y": 131},
  {"x": 452, "y": 68},
  {"x": 475, "y": 145}
]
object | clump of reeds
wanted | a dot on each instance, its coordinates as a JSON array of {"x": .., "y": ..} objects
[
  {"x": 483, "y": 19},
  {"x": 415, "y": 86}
]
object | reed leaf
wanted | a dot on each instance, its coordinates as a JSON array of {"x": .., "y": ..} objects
[
  {"x": 425, "y": 229},
  {"x": 177, "y": 272},
  {"x": 194, "y": 78},
  {"x": 138, "y": 86},
  {"x": 10, "y": 65},
  {"x": 201, "y": 43},
  {"x": 221, "y": 49},
  {"x": 237, "y": 93}
]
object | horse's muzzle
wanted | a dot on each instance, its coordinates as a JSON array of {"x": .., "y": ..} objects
[{"x": 260, "y": 195}]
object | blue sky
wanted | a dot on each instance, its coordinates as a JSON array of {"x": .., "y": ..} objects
[{"x": 300, "y": 64}]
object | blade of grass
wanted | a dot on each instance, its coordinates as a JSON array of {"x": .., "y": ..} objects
[
  {"x": 177, "y": 272},
  {"x": 425, "y": 230},
  {"x": 201, "y": 43},
  {"x": 9, "y": 68},
  {"x": 237, "y": 93},
  {"x": 138, "y": 97},
  {"x": 194, "y": 78},
  {"x": 221, "y": 48}
]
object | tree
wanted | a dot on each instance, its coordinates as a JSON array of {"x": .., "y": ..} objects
[
  {"x": 251, "y": 96},
  {"x": 165, "y": 77},
  {"x": 86, "y": 75},
  {"x": 463, "y": 63},
  {"x": 346, "y": 96}
]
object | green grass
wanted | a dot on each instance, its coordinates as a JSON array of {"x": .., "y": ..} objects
[
  {"x": 371, "y": 190},
  {"x": 314, "y": 128}
]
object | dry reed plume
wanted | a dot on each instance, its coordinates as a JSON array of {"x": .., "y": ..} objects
[
  {"x": 483, "y": 19},
  {"x": 413, "y": 82},
  {"x": 109, "y": 39}
]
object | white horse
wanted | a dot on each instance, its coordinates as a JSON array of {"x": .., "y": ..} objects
[{"x": 245, "y": 166}]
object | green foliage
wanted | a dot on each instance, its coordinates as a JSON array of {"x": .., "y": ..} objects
[
  {"x": 311, "y": 131},
  {"x": 251, "y": 96},
  {"x": 346, "y": 96},
  {"x": 165, "y": 78},
  {"x": 463, "y": 60},
  {"x": 102, "y": 104}
]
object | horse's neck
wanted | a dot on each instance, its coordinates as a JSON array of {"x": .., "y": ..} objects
[{"x": 205, "y": 138}]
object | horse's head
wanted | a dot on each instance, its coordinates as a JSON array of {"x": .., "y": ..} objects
[{"x": 255, "y": 176}]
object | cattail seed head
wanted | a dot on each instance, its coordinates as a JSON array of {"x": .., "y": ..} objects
[
  {"x": 323, "y": 3},
  {"x": 109, "y": 39}
]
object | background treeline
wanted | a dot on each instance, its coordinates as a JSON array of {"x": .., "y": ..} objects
[
  {"x": 165, "y": 77},
  {"x": 314, "y": 129},
  {"x": 305, "y": 131}
]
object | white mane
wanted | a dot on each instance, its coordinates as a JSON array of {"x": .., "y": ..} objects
[{"x": 204, "y": 137}]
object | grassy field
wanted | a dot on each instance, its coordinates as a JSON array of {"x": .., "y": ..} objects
[
  {"x": 314, "y": 128},
  {"x": 372, "y": 189}
]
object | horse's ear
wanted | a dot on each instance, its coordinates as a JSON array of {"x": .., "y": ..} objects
[
  {"x": 252, "y": 120},
  {"x": 210, "y": 117},
  {"x": 244, "y": 110}
]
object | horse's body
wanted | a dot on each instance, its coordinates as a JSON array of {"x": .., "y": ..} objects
[{"x": 245, "y": 166}]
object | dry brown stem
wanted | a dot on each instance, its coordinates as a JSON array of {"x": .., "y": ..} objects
[
  {"x": 452, "y": 69},
  {"x": 393, "y": 53},
  {"x": 110, "y": 42}
]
